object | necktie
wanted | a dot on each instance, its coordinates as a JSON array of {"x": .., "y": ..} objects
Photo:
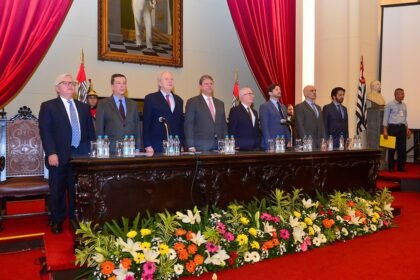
[
  {"x": 340, "y": 110},
  {"x": 121, "y": 109},
  {"x": 281, "y": 112},
  {"x": 168, "y": 100},
  {"x": 315, "y": 110},
  {"x": 211, "y": 107},
  {"x": 250, "y": 115},
  {"x": 75, "y": 130}
]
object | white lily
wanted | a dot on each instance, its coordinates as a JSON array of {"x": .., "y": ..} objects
[
  {"x": 268, "y": 228},
  {"x": 388, "y": 208},
  {"x": 122, "y": 273},
  {"x": 151, "y": 256},
  {"x": 298, "y": 234},
  {"x": 98, "y": 257},
  {"x": 294, "y": 222},
  {"x": 198, "y": 238},
  {"x": 190, "y": 218},
  {"x": 217, "y": 259},
  {"x": 130, "y": 246},
  {"x": 307, "y": 203},
  {"x": 313, "y": 216}
]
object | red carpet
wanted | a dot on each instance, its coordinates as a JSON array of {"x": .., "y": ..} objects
[
  {"x": 389, "y": 254},
  {"x": 412, "y": 174}
]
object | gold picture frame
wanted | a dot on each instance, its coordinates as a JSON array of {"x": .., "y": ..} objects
[{"x": 121, "y": 38}]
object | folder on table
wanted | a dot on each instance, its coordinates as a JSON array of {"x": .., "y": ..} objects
[{"x": 387, "y": 143}]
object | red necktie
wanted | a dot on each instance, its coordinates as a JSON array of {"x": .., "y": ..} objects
[
  {"x": 211, "y": 107},
  {"x": 168, "y": 100}
]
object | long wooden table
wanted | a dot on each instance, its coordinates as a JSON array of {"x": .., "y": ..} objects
[{"x": 115, "y": 187}]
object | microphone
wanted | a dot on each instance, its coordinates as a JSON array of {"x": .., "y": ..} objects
[
  {"x": 165, "y": 123},
  {"x": 283, "y": 121}
]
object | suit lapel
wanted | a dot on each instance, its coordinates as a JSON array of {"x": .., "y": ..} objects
[{"x": 246, "y": 115}]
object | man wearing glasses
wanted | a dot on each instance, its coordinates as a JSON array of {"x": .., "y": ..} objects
[
  {"x": 243, "y": 122},
  {"x": 273, "y": 117},
  {"x": 66, "y": 129}
]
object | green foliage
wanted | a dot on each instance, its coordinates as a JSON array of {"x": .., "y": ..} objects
[
  {"x": 166, "y": 225},
  {"x": 279, "y": 203},
  {"x": 339, "y": 200}
]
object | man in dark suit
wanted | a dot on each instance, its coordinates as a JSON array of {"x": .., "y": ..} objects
[
  {"x": 273, "y": 117},
  {"x": 205, "y": 119},
  {"x": 117, "y": 116},
  {"x": 243, "y": 122},
  {"x": 308, "y": 117},
  {"x": 66, "y": 129},
  {"x": 335, "y": 116},
  {"x": 162, "y": 104}
]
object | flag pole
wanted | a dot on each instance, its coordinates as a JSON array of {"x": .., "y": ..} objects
[{"x": 82, "y": 57}]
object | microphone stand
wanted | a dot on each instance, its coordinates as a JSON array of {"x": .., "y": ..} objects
[{"x": 166, "y": 129}]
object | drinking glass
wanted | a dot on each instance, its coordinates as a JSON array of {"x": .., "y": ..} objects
[
  {"x": 221, "y": 146},
  {"x": 119, "y": 148},
  {"x": 93, "y": 149},
  {"x": 270, "y": 145},
  {"x": 165, "y": 145},
  {"x": 298, "y": 145}
]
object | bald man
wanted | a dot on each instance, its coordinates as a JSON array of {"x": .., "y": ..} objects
[{"x": 308, "y": 117}]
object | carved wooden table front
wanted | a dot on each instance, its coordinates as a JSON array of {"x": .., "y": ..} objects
[{"x": 110, "y": 188}]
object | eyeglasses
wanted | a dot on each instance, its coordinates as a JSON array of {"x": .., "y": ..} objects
[
  {"x": 249, "y": 93},
  {"x": 66, "y": 83}
]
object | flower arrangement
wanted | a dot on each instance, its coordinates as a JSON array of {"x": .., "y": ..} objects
[{"x": 167, "y": 246}]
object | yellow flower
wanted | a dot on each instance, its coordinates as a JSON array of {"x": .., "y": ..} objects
[
  {"x": 308, "y": 221},
  {"x": 376, "y": 215},
  {"x": 244, "y": 220},
  {"x": 303, "y": 225},
  {"x": 377, "y": 208},
  {"x": 311, "y": 231},
  {"x": 163, "y": 249},
  {"x": 297, "y": 214},
  {"x": 252, "y": 231},
  {"x": 242, "y": 239},
  {"x": 131, "y": 234},
  {"x": 255, "y": 245},
  {"x": 145, "y": 245},
  {"x": 374, "y": 220},
  {"x": 139, "y": 258},
  {"x": 145, "y": 231}
]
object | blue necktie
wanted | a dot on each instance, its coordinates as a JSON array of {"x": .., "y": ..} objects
[
  {"x": 340, "y": 110},
  {"x": 75, "y": 130},
  {"x": 315, "y": 110}
]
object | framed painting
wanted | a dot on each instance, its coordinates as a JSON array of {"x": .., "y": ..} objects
[{"x": 140, "y": 31}]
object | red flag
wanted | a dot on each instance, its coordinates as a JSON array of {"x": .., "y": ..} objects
[{"x": 236, "y": 89}]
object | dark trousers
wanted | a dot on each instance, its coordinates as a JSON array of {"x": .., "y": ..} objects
[
  {"x": 62, "y": 186},
  {"x": 400, "y": 132}
]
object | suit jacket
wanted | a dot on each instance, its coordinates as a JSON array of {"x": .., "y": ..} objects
[
  {"x": 200, "y": 129},
  {"x": 270, "y": 123},
  {"x": 334, "y": 123},
  {"x": 240, "y": 125},
  {"x": 308, "y": 124},
  {"x": 109, "y": 121},
  {"x": 55, "y": 129},
  {"x": 154, "y": 132}
]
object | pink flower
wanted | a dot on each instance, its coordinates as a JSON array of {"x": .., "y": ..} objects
[
  {"x": 221, "y": 228},
  {"x": 284, "y": 234},
  {"x": 211, "y": 247},
  {"x": 146, "y": 276},
  {"x": 386, "y": 223},
  {"x": 303, "y": 247},
  {"x": 308, "y": 241},
  {"x": 131, "y": 277},
  {"x": 276, "y": 219},
  {"x": 229, "y": 236},
  {"x": 266, "y": 217},
  {"x": 149, "y": 268}
]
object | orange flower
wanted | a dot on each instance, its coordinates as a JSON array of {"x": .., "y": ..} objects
[
  {"x": 350, "y": 203},
  {"x": 112, "y": 278},
  {"x": 183, "y": 255},
  {"x": 192, "y": 249},
  {"x": 328, "y": 223},
  {"x": 190, "y": 266},
  {"x": 347, "y": 218},
  {"x": 267, "y": 245},
  {"x": 357, "y": 213},
  {"x": 179, "y": 246},
  {"x": 275, "y": 242},
  {"x": 107, "y": 267},
  {"x": 189, "y": 235},
  {"x": 180, "y": 232},
  {"x": 198, "y": 259},
  {"x": 126, "y": 263}
]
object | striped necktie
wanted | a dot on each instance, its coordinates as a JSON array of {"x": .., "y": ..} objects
[{"x": 75, "y": 129}]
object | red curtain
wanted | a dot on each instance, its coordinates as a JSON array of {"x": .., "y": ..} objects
[
  {"x": 266, "y": 29},
  {"x": 27, "y": 29}
]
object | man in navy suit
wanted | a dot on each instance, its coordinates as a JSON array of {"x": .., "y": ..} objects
[
  {"x": 273, "y": 117},
  {"x": 162, "y": 106},
  {"x": 205, "y": 118},
  {"x": 243, "y": 122},
  {"x": 335, "y": 116},
  {"x": 66, "y": 129},
  {"x": 308, "y": 117}
]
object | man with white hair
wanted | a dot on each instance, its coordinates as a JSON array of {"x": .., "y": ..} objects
[
  {"x": 66, "y": 129},
  {"x": 160, "y": 108},
  {"x": 243, "y": 122}
]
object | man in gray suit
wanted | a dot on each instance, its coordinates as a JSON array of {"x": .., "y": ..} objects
[
  {"x": 205, "y": 120},
  {"x": 308, "y": 117},
  {"x": 117, "y": 115}
]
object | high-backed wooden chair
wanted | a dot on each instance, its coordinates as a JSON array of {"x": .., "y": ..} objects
[{"x": 22, "y": 175}]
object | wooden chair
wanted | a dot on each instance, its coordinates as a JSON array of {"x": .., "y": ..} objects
[{"x": 22, "y": 171}]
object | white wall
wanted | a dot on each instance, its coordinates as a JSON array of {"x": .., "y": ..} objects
[{"x": 210, "y": 46}]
